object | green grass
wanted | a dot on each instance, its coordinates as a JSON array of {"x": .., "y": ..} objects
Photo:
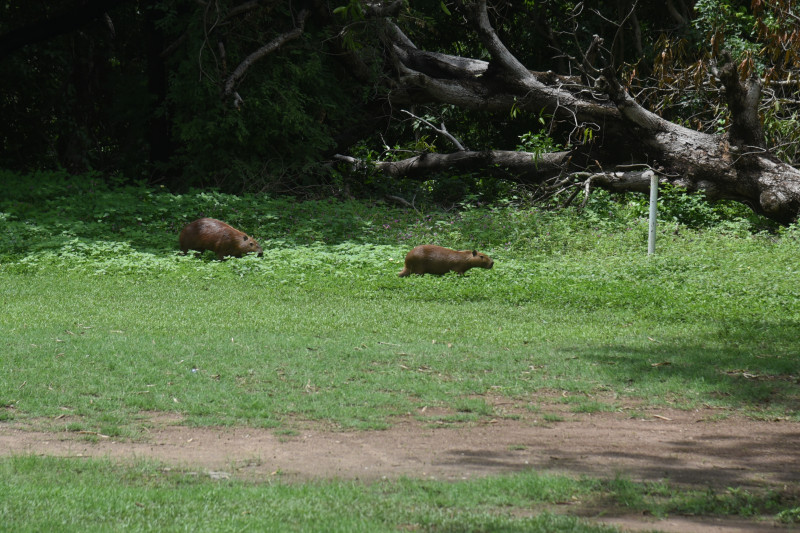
[
  {"x": 330, "y": 333},
  {"x": 148, "y": 497},
  {"x": 105, "y": 323},
  {"x": 41, "y": 494}
]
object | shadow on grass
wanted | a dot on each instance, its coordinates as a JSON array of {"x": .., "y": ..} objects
[
  {"x": 705, "y": 455},
  {"x": 753, "y": 365}
]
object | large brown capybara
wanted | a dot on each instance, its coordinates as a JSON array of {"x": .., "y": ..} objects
[
  {"x": 430, "y": 259},
  {"x": 212, "y": 234}
]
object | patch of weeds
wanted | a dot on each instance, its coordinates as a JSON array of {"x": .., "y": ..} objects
[
  {"x": 789, "y": 516},
  {"x": 112, "y": 431},
  {"x": 626, "y": 493},
  {"x": 736, "y": 501},
  {"x": 478, "y": 406},
  {"x": 75, "y": 427},
  {"x": 717, "y": 417},
  {"x": 552, "y": 417}
]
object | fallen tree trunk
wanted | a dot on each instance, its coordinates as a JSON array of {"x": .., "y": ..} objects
[{"x": 523, "y": 167}]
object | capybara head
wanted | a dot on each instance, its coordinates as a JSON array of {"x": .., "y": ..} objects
[
  {"x": 479, "y": 260},
  {"x": 250, "y": 245}
]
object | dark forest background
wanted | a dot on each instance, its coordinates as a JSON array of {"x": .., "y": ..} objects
[{"x": 260, "y": 95}]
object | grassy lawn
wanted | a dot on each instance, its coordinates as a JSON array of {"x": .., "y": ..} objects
[
  {"x": 75, "y": 495},
  {"x": 104, "y": 320},
  {"x": 329, "y": 332}
]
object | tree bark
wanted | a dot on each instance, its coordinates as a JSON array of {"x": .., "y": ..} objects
[{"x": 524, "y": 167}]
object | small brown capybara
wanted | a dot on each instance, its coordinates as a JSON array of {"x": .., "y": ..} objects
[
  {"x": 430, "y": 259},
  {"x": 212, "y": 234}
]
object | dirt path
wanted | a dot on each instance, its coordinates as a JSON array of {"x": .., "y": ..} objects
[{"x": 684, "y": 447}]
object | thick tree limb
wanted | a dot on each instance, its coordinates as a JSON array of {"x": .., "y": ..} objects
[
  {"x": 270, "y": 47},
  {"x": 427, "y": 77},
  {"x": 524, "y": 167},
  {"x": 743, "y": 99},
  {"x": 500, "y": 54}
]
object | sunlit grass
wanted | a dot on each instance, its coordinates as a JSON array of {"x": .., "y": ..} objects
[
  {"x": 103, "y": 322},
  {"x": 75, "y": 494},
  {"x": 324, "y": 333}
]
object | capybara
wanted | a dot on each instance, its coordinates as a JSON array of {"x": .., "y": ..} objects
[
  {"x": 212, "y": 234},
  {"x": 430, "y": 259}
]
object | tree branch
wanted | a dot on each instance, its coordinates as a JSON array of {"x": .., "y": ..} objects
[
  {"x": 426, "y": 77},
  {"x": 743, "y": 98},
  {"x": 623, "y": 131},
  {"x": 264, "y": 51},
  {"x": 478, "y": 13},
  {"x": 441, "y": 131}
]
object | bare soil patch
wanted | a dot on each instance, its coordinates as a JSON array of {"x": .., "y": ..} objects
[{"x": 692, "y": 448}]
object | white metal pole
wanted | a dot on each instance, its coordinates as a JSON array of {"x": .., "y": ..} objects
[{"x": 651, "y": 236}]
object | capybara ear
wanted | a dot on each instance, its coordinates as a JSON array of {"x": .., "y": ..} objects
[
  {"x": 244, "y": 238},
  {"x": 474, "y": 253}
]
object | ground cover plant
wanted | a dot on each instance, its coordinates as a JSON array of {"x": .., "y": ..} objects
[{"x": 104, "y": 320}]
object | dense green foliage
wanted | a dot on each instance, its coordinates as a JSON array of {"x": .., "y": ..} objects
[
  {"x": 118, "y": 103},
  {"x": 140, "y": 92}
]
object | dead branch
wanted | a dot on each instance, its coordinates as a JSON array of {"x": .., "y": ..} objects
[
  {"x": 441, "y": 131},
  {"x": 264, "y": 51}
]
